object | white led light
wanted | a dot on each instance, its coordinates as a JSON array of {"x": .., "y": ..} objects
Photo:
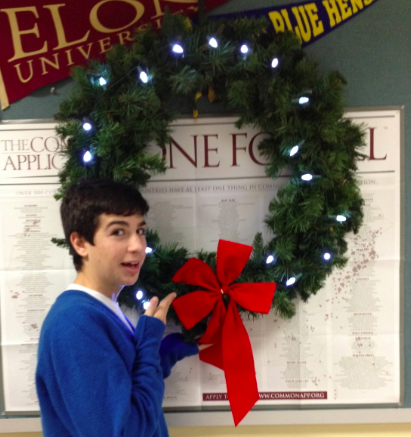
[
  {"x": 87, "y": 157},
  {"x": 139, "y": 294},
  {"x": 307, "y": 177},
  {"x": 290, "y": 281},
  {"x": 274, "y": 63},
  {"x": 102, "y": 81},
  {"x": 146, "y": 304},
  {"x": 87, "y": 126},
  {"x": 143, "y": 77},
  {"x": 244, "y": 49},
  {"x": 270, "y": 259},
  {"x": 294, "y": 150},
  {"x": 303, "y": 100},
  {"x": 177, "y": 48},
  {"x": 213, "y": 43},
  {"x": 149, "y": 250},
  {"x": 341, "y": 218},
  {"x": 327, "y": 256}
]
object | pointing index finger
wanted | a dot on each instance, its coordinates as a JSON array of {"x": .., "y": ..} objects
[
  {"x": 152, "y": 308},
  {"x": 162, "y": 309},
  {"x": 166, "y": 302}
]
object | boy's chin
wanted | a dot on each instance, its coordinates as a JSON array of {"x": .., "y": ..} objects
[{"x": 130, "y": 281}]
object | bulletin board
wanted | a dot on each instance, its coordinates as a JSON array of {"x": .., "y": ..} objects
[{"x": 343, "y": 349}]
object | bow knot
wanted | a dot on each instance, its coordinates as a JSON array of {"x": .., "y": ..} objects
[{"x": 225, "y": 330}]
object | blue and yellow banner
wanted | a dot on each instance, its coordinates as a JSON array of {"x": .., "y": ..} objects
[{"x": 310, "y": 20}]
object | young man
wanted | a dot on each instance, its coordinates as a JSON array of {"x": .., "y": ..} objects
[{"x": 97, "y": 376}]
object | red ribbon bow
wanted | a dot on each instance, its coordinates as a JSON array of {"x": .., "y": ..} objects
[{"x": 231, "y": 350}]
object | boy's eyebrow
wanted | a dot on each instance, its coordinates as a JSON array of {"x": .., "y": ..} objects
[{"x": 123, "y": 223}]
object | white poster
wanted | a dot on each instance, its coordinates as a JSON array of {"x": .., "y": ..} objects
[{"x": 341, "y": 348}]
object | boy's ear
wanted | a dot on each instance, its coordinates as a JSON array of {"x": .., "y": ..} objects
[{"x": 79, "y": 244}]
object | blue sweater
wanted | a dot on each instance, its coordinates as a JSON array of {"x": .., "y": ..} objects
[{"x": 95, "y": 378}]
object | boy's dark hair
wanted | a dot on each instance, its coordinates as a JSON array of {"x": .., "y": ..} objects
[{"x": 83, "y": 203}]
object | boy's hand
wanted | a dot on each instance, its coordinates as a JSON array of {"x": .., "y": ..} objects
[{"x": 159, "y": 311}]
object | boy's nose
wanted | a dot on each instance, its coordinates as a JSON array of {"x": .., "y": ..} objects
[{"x": 138, "y": 244}]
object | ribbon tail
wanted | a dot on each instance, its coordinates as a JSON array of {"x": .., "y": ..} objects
[
  {"x": 213, "y": 331},
  {"x": 213, "y": 355},
  {"x": 238, "y": 364}
]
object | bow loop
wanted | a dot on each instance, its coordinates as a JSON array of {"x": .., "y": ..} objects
[
  {"x": 256, "y": 297},
  {"x": 231, "y": 260},
  {"x": 197, "y": 272},
  {"x": 193, "y": 307}
]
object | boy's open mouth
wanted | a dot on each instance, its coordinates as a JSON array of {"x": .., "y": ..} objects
[{"x": 132, "y": 267}]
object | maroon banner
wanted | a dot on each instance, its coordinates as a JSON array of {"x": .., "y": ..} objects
[
  {"x": 41, "y": 41},
  {"x": 274, "y": 396}
]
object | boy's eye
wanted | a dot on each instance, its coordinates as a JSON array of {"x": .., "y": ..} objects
[
  {"x": 141, "y": 231},
  {"x": 118, "y": 232}
]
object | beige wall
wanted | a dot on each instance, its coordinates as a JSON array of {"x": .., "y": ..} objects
[
  {"x": 392, "y": 430},
  {"x": 383, "y": 430},
  {"x": 377, "y": 70}
]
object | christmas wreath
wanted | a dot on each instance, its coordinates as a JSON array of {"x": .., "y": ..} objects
[{"x": 118, "y": 107}]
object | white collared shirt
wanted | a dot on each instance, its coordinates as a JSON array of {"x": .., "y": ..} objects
[{"x": 114, "y": 306}]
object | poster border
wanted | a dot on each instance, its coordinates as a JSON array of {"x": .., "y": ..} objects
[{"x": 260, "y": 416}]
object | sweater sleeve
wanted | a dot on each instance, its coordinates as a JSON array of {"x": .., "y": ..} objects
[
  {"x": 173, "y": 349},
  {"x": 91, "y": 387}
]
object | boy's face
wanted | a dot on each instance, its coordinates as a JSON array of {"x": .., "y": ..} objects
[{"x": 117, "y": 255}]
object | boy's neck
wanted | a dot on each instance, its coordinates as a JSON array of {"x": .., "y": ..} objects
[{"x": 85, "y": 281}]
